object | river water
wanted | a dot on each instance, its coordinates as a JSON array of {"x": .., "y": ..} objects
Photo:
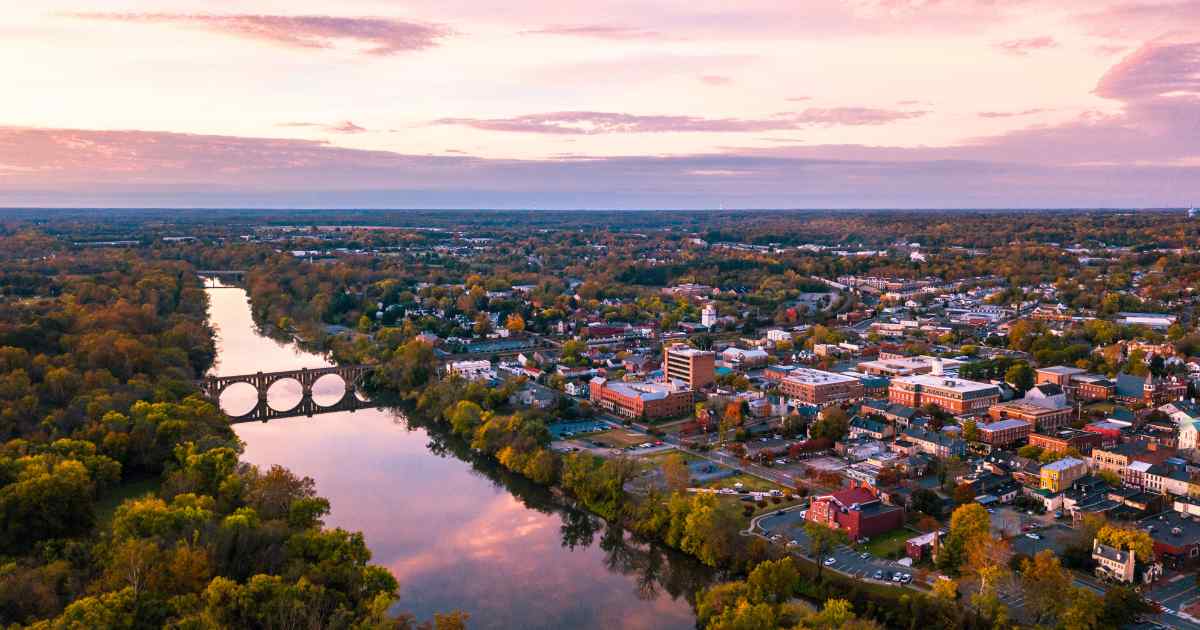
[{"x": 458, "y": 533}]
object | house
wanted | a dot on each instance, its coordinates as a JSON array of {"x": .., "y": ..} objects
[
  {"x": 924, "y": 546},
  {"x": 855, "y": 511},
  {"x": 860, "y": 426},
  {"x": 534, "y": 396},
  {"x": 898, "y": 414},
  {"x": 1112, "y": 563},
  {"x": 933, "y": 443}
]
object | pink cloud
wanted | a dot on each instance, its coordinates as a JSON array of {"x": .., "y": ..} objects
[
  {"x": 383, "y": 36},
  {"x": 1024, "y": 112},
  {"x": 1143, "y": 20},
  {"x": 598, "y": 31},
  {"x": 590, "y": 123},
  {"x": 1026, "y": 46},
  {"x": 712, "y": 79},
  {"x": 342, "y": 127}
]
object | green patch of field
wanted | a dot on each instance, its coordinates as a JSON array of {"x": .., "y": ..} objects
[
  {"x": 619, "y": 438},
  {"x": 107, "y": 506},
  {"x": 657, "y": 458},
  {"x": 889, "y": 545},
  {"x": 751, "y": 483}
]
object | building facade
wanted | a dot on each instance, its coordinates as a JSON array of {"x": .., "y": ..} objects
[
  {"x": 952, "y": 395},
  {"x": 695, "y": 368},
  {"x": 817, "y": 387},
  {"x": 641, "y": 401}
]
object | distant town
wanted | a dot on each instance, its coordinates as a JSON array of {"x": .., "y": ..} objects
[{"x": 991, "y": 414}]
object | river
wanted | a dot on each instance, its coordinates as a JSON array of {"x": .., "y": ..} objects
[{"x": 458, "y": 533}]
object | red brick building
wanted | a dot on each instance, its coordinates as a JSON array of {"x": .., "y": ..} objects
[
  {"x": 1004, "y": 432},
  {"x": 816, "y": 387},
  {"x": 952, "y": 395},
  {"x": 1063, "y": 439},
  {"x": 641, "y": 401},
  {"x": 855, "y": 511},
  {"x": 1042, "y": 418}
]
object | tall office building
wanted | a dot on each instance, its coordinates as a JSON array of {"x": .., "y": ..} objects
[{"x": 682, "y": 362}]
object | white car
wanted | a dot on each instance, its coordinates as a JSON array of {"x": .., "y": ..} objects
[
  {"x": 830, "y": 561},
  {"x": 1033, "y": 536}
]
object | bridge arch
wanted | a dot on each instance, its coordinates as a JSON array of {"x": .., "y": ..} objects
[{"x": 352, "y": 377}]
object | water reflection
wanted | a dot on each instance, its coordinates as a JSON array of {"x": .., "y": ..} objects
[{"x": 458, "y": 531}]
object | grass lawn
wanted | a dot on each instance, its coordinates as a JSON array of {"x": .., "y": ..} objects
[
  {"x": 1100, "y": 407},
  {"x": 619, "y": 438},
  {"x": 883, "y": 545},
  {"x": 657, "y": 458},
  {"x": 106, "y": 507},
  {"x": 754, "y": 484}
]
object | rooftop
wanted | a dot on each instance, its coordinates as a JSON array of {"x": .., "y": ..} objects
[
  {"x": 1062, "y": 370},
  {"x": 811, "y": 376},
  {"x": 1065, "y": 463},
  {"x": 944, "y": 382},
  {"x": 1001, "y": 425}
]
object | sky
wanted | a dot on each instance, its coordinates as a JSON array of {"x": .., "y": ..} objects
[{"x": 601, "y": 104}]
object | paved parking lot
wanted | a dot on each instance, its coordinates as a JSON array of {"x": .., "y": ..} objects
[{"x": 790, "y": 525}]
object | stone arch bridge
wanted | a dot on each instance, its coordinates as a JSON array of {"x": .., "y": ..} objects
[{"x": 352, "y": 375}]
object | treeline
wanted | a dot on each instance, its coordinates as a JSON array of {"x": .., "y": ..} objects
[{"x": 123, "y": 503}]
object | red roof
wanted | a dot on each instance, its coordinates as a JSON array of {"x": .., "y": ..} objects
[{"x": 851, "y": 496}]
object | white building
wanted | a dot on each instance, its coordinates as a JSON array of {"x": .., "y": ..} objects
[
  {"x": 708, "y": 316},
  {"x": 472, "y": 370}
]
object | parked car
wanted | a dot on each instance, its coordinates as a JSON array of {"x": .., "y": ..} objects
[
  {"x": 1033, "y": 536},
  {"x": 864, "y": 555},
  {"x": 830, "y": 561},
  {"x": 878, "y": 575}
]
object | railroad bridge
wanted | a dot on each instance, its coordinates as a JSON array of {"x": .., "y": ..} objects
[{"x": 352, "y": 375}]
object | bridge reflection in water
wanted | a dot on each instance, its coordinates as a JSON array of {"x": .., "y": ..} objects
[{"x": 351, "y": 375}]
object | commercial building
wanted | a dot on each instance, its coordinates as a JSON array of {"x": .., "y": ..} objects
[
  {"x": 1062, "y": 440},
  {"x": 1041, "y": 418},
  {"x": 641, "y": 401},
  {"x": 1076, "y": 383},
  {"x": 855, "y": 511},
  {"x": 472, "y": 370},
  {"x": 952, "y": 395},
  {"x": 745, "y": 358},
  {"x": 1004, "y": 433},
  {"x": 695, "y": 368},
  {"x": 1060, "y": 375},
  {"x": 817, "y": 387},
  {"x": 1058, "y": 476},
  {"x": 1176, "y": 538},
  {"x": 906, "y": 366}
]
